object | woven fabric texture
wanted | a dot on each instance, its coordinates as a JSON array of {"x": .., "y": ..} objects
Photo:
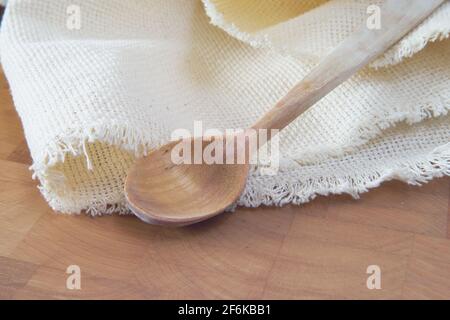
[{"x": 94, "y": 98}]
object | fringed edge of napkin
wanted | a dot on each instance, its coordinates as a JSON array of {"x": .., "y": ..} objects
[
  {"x": 413, "y": 43},
  {"x": 426, "y": 167},
  {"x": 437, "y": 106},
  {"x": 435, "y": 164}
]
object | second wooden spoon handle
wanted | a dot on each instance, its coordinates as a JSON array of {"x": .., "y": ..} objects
[{"x": 398, "y": 17}]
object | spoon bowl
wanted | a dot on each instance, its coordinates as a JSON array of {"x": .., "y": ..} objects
[{"x": 160, "y": 190}]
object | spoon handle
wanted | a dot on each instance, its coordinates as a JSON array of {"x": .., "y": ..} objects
[{"x": 398, "y": 17}]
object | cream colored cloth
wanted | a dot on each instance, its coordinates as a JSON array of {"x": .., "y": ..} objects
[{"x": 93, "y": 99}]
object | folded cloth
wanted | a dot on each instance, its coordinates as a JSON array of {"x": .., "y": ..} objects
[{"x": 98, "y": 83}]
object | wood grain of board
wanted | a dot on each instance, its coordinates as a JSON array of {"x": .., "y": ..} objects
[{"x": 318, "y": 250}]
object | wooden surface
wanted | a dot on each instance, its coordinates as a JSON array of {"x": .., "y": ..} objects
[{"x": 319, "y": 250}]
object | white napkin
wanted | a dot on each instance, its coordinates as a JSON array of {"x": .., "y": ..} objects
[{"x": 100, "y": 82}]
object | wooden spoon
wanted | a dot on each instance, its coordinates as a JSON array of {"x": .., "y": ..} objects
[{"x": 161, "y": 192}]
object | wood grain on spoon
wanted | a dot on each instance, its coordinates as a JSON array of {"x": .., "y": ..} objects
[{"x": 160, "y": 192}]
